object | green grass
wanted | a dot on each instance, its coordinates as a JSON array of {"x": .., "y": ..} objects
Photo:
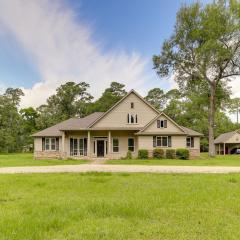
[
  {"x": 204, "y": 160},
  {"x": 26, "y": 159},
  {"x": 119, "y": 206}
]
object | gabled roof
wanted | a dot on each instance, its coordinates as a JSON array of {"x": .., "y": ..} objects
[
  {"x": 70, "y": 124},
  {"x": 121, "y": 100},
  {"x": 165, "y": 115},
  {"x": 225, "y": 136},
  {"x": 191, "y": 132}
]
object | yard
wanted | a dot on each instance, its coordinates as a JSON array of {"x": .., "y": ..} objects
[
  {"x": 119, "y": 206},
  {"x": 26, "y": 159}
]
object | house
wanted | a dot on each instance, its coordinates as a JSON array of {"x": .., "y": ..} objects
[
  {"x": 131, "y": 124},
  {"x": 227, "y": 143}
]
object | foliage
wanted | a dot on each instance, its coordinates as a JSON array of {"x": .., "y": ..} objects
[
  {"x": 182, "y": 153},
  {"x": 170, "y": 153},
  {"x": 129, "y": 155},
  {"x": 156, "y": 98},
  {"x": 158, "y": 153},
  {"x": 203, "y": 52},
  {"x": 142, "y": 154}
]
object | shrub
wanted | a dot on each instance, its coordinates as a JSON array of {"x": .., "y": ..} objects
[
  {"x": 158, "y": 153},
  {"x": 182, "y": 153},
  {"x": 129, "y": 155},
  {"x": 170, "y": 153},
  {"x": 142, "y": 154}
]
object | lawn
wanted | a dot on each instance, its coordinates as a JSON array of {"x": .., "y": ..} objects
[
  {"x": 204, "y": 160},
  {"x": 26, "y": 159},
  {"x": 119, "y": 206}
]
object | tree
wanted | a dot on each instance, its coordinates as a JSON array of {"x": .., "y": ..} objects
[
  {"x": 234, "y": 106},
  {"x": 71, "y": 100},
  {"x": 156, "y": 98},
  {"x": 204, "y": 50},
  {"x": 109, "y": 97}
]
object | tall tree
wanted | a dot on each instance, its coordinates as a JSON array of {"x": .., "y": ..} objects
[
  {"x": 204, "y": 49},
  {"x": 157, "y": 98},
  {"x": 109, "y": 97},
  {"x": 71, "y": 100}
]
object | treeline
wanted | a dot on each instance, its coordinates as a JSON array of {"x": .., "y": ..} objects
[{"x": 188, "y": 108}]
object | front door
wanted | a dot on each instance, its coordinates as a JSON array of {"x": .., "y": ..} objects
[{"x": 100, "y": 148}]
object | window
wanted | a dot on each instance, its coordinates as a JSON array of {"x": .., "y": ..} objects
[
  {"x": 162, "y": 141},
  {"x": 115, "y": 145},
  {"x": 78, "y": 146},
  {"x": 190, "y": 142},
  {"x": 51, "y": 144},
  {"x": 132, "y": 105},
  {"x": 132, "y": 118},
  {"x": 131, "y": 144},
  {"x": 161, "y": 123}
]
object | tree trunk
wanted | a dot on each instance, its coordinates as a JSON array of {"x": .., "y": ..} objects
[{"x": 211, "y": 120}]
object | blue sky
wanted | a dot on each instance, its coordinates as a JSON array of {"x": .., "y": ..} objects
[{"x": 45, "y": 43}]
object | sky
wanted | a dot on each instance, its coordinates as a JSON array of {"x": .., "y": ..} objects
[{"x": 44, "y": 44}]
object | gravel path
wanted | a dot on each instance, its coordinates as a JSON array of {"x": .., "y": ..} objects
[{"x": 118, "y": 168}]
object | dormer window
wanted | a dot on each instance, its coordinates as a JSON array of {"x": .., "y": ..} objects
[
  {"x": 132, "y": 104},
  {"x": 161, "y": 123},
  {"x": 132, "y": 118}
]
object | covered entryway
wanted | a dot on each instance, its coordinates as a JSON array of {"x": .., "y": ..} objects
[{"x": 100, "y": 148}]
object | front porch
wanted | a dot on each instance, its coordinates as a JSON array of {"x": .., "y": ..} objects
[{"x": 97, "y": 144}]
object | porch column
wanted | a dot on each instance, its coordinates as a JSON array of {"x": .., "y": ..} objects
[
  {"x": 89, "y": 144},
  {"x": 63, "y": 154},
  {"x": 219, "y": 149},
  {"x": 109, "y": 142},
  {"x": 223, "y": 148}
]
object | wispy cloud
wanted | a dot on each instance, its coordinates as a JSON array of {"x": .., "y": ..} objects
[{"x": 62, "y": 49}]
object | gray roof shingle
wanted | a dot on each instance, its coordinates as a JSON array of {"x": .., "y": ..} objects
[
  {"x": 224, "y": 137},
  {"x": 70, "y": 124},
  {"x": 191, "y": 132}
]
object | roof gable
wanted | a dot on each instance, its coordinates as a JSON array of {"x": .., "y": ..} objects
[
  {"x": 172, "y": 126},
  {"x": 117, "y": 115},
  {"x": 229, "y": 137}
]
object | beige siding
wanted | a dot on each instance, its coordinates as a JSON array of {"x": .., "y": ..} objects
[
  {"x": 234, "y": 139},
  {"x": 118, "y": 116},
  {"x": 171, "y": 127}
]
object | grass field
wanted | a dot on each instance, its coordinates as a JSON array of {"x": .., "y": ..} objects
[
  {"x": 204, "y": 160},
  {"x": 119, "y": 206},
  {"x": 26, "y": 159}
]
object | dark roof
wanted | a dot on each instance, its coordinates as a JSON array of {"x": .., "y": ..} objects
[
  {"x": 70, "y": 124},
  {"x": 224, "y": 137}
]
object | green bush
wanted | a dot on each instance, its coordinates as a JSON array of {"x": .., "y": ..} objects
[
  {"x": 143, "y": 154},
  {"x": 170, "y": 153},
  {"x": 158, "y": 153},
  {"x": 182, "y": 153},
  {"x": 129, "y": 155}
]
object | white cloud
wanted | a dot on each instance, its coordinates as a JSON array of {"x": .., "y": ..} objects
[{"x": 62, "y": 49}]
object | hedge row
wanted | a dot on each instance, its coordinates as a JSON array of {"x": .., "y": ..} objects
[{"x": 180, "y": 153}]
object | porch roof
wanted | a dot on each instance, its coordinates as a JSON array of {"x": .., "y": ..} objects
[{"x": 225, "y": 137}]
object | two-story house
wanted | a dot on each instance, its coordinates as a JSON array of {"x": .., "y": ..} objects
[{"x": 131, "y": 124}]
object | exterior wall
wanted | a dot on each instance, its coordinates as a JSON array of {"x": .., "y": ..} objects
[
  {"x": 171, "y": 127},
  {"x": 141, "y": 142},
  {"x": 146, "y": 142},
  {"x": 118, "y": 116},
  {"x": 40, "y": 154}
]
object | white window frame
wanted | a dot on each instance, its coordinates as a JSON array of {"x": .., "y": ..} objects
[
  {"x": 133, "y": 144},
  {"x": 190, "y": 142},
  {"x": 134, "y": 117},
  {"x": 115, "y": 146},
  {"x": 161, "y": 141},
  {"x": 50, "y": 139}
]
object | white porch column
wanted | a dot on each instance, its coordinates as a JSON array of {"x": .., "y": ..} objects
[
  {"x": 63, "y": 154},
  {"x": 224, "y": 148},
  {"x": 89, "y": 144},
  {"x": 109, "y": 143}
]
